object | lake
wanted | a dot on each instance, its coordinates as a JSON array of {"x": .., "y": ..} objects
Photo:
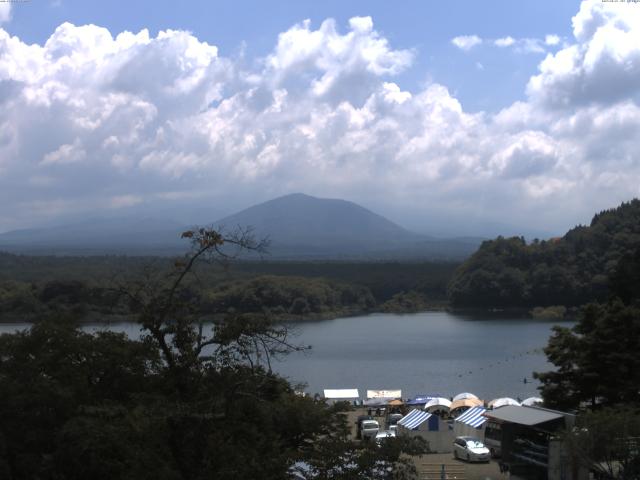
[{"x": 430, "y": 353}]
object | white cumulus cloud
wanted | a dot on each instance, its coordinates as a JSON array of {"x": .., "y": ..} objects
[
  {"x": 603, "y": 66},
  {"x": 551, "y": 39},
  {"x": 504, "y": 42},
  {"x": 466, "y": 42},
  {"x": 90, "y": 120}
]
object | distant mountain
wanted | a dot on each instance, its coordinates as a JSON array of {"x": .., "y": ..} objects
[
  {"x": 299, "y": 221},
  {"x": 302, "y": 226},
  {"x": 299, "y": 227}
]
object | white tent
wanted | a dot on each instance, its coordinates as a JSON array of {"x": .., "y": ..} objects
[
  {"x": 437, "y": 404},
  {"x": 464, "y": 396},
  {"x": 531, "y": 401},
  {"x": 339, "y": 394},
  {"x": 501, "y": 402}
]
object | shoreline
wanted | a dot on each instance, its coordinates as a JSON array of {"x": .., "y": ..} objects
[{"x": 496, "y": 313}]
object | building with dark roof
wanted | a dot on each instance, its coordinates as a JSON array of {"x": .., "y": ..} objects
[{"x": 531, "y": 443}]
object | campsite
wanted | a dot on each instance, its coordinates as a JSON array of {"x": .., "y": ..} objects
[{"x": 525, "y": 443}]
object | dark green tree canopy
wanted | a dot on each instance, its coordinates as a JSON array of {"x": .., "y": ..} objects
[
  {"x": 571, "y": 271},
  {"x": 597, "y": 361}
]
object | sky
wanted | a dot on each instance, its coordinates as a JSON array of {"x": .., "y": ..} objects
[{"x": 450, "y": 118}]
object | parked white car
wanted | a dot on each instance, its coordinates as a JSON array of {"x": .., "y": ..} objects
[
  {"x": 470, "y": 449},
  {"x": 370, "y": 429}
]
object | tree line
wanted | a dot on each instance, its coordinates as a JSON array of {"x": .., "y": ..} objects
[
  {"x": 87, "y": 287},
  {"x": 572, "y": 270}
]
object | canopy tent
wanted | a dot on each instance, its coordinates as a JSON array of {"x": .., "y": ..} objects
[
  {"x": 463, "y": 396},
  {"x": 414, "y": 419},
  {"x": 341, "y": 394},
  {"x": 418, "y": 423},
  {"x": 501, "y": 402},
  {"x": 465, "y": 402},
  {"x": 396, "y": 403},
  {"x": 470, "y": 423},
  {"x": 439, "y": 403},
  {"x": 474, "y": 417},
  {"x": 388, "y": 394},
  {"x": 531, "y": 401}
]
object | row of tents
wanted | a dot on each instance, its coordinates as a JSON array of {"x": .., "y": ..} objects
[
  {"x": 430, "y": 403},
  {"x": 435, "y": 418}
]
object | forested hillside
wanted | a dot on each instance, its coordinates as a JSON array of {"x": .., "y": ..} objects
[{"x": 572, "y": 270}]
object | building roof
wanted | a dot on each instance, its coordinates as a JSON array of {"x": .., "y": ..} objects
[
  {"x": 473, "y": 417},
  {"x": 414, "y": 419},
  {"x": 523, "y": 415}
]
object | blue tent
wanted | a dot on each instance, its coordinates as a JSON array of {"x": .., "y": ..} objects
[{"x": 414, "y": 419}]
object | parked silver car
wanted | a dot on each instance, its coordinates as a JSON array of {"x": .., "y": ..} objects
[{"x": 470, "y": 449}]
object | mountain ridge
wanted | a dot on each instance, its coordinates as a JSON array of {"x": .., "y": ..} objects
[{"x": 298, "y": 225}]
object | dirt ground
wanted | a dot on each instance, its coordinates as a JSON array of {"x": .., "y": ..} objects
[{"x": 430, "y": 465}]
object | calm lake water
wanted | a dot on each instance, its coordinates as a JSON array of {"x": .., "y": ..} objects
[{"x": 430, "y": 353}]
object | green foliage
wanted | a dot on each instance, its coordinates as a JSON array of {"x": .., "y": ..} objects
[
  {"x": 383, "y": 279},
  {"x": 339, "y": 459},
  {"x": 571, "y": 271},
  {"x": 289, "y": 297},
  {"x": 406, "y": 302},
  {"x": 625, "y": 280},
  {"x": 606, "y": 441},
  {"x": 555, "y": 312},
  {"x": 49, "y": 372},
  {"x": 597, "y": 361}
]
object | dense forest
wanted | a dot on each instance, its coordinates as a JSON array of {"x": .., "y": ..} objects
[
  {"x": 571, "y": 271},
  {"x": 89, "y": 287}
]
